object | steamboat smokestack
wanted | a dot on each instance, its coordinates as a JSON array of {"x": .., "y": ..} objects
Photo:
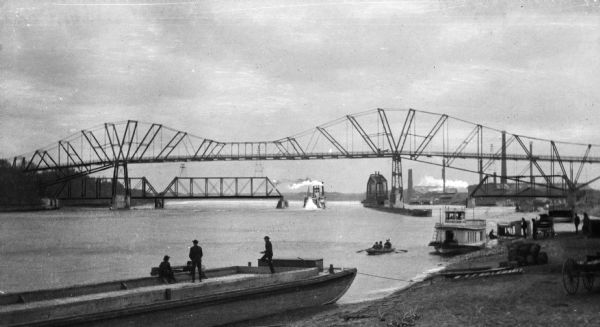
[{"x": 409, "y": 191}]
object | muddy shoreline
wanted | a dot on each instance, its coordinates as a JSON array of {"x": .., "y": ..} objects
[{"x": 533, "y": 298}]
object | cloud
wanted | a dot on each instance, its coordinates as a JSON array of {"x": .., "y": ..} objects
[{"x": 255, "y": 70}]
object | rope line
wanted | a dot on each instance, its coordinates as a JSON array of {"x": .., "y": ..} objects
[{"x": 377, "y": 276}]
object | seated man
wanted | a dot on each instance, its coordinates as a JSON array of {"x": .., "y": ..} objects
[
  {"x": 491, "y": 235},
  {"x": 165, "y": 272}
]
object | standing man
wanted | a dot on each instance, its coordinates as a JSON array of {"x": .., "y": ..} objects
[
  {"x": 524, "y": 227},
  {"x": 268, "y": 254},
  {"x": 196, "y": 257},
  {"x": 576, "y": 221}
]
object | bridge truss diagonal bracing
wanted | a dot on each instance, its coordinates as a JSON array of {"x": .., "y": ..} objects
[{"x": 404, "y": 134}]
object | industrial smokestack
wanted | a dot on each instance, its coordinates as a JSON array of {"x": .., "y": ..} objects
[
  {"x": 409, "y": 191},
  {"x": 503, "y": 168}
]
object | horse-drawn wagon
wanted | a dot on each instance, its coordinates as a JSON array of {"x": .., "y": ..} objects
[
  {"x": 543, "y": 227},
  {"x": 585, "y": 270}
]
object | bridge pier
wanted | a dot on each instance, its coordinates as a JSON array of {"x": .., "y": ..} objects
[
  {"x": 396, "y": 193},
  {"x": 282, "y": 203},
  {"x": 571, "y": 201},
  {"x": 50, "y": 203},
  {"x": 159, "y": 203},
  {"x": 120, "y": 201}
]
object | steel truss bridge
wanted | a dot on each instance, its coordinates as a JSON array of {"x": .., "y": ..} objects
[
  {"x": 543, "y": 167},
  {"x": 178, "y": 188}
]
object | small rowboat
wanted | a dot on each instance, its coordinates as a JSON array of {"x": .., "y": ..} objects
[{"x": 372, "y": 251}]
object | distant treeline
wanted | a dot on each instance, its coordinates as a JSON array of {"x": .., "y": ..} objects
[
  {"x": 25, "y": 189},
  {"x": 16, "y": 187}
]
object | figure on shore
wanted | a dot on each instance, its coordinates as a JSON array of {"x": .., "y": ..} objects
[
  {"x": 533, "y": 229},
  {"x": 268, "y": 254},
  {"x": 196, "y": 257},
  {"x": 576, "y": 221},
  {"x": 388, "y": 244},
  {"x": 165, "y": 272},
  {"x": 585, "y": 227},
  {"x": 492, "y": 236},
  {"x": 524, "y": 227}
]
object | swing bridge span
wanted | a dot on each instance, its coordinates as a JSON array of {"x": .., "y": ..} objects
[{"x": 544, "y": 167}]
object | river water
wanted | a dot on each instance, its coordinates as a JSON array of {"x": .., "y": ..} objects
[{"x": 48, "y": 249}]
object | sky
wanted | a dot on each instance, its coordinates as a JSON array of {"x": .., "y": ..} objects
[{"x": 263, "y": 70}]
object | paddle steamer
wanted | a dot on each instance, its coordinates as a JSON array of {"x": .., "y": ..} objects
[{"x": 457, "y": 234}]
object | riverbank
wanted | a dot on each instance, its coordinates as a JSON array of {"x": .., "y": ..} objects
[{"x": 534, "y": 298}]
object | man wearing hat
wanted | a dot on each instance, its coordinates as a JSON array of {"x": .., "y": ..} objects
[
  {"x": 268, "y": 254},
  {"x": 165, "y": 272},
  {"x": 196, "y": 257}
]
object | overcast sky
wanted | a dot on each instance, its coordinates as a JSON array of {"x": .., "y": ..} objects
[{"x": 262, "y": 70}]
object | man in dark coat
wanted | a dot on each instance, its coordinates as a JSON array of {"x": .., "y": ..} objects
[
  {"x": 196, "y": 257},
  {"x": 268, "y": 254},
  {"x": 585, "y": 228},
  {"x": 576, "y": 221},
  {"x": 524, "y": 227},
  {"x": 165, "y": 272}
]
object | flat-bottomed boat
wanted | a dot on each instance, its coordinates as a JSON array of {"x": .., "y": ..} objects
[{"x": 227, "y": 295}]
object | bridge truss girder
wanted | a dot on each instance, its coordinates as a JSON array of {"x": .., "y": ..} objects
[
  {"x": 523, "y": 187},
  {"x": 179, "y": 188},
  {"x": 405, "y": 134}
]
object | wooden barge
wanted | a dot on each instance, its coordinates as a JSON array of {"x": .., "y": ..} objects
[{"x": 227, "y": 295}]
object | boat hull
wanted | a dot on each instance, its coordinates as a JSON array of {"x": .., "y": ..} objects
[
  {"x": 454, "y": 249},
  {"x": 194, "y": 304},
  {"x": 229, "y": 308},
  {"x": 402, "y": 211},
  {"x": 372, "y": 251}
]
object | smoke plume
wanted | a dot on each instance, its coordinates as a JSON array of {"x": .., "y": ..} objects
[
  {"x": 304, "y": 183},
  {"x": 438, "y": 183}
]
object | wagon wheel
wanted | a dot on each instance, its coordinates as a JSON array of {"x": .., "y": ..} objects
[
  {"x": 570, "y": 276},
  {"x": 588, "y": 281}
]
